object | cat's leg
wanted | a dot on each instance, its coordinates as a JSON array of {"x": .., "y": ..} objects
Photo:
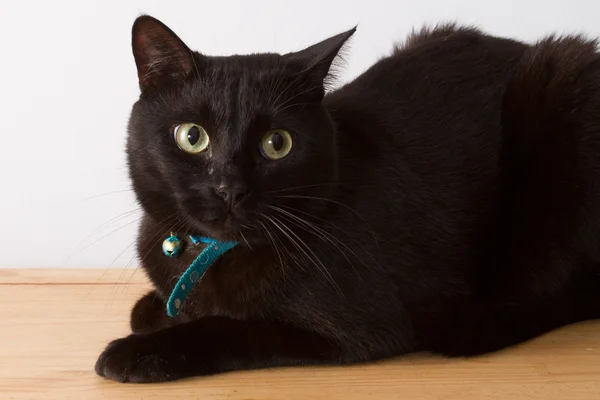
[
  {"x": 468, "y": 327},
  {"x": 209, "y": 346},
  {"x": 149, "y": 314}
]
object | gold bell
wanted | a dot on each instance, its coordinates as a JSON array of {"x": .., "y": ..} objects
[{"x": 172, "y": 246}]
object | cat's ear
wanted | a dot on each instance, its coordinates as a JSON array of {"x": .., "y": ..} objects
[
  {"x": 319, "y": 58},
  {"x": 160, "y": 55}
]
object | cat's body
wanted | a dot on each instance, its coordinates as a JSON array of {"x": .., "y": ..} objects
[{"x": 454, "y": 207}]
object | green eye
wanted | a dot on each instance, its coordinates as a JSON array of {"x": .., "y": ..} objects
[
  {"x": 276, "y": 144},
  {"x": 191, "y": 138}
]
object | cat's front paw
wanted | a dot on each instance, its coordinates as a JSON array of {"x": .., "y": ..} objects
[{"x": 139, "y": 358}]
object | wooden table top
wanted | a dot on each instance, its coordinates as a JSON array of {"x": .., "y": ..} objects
[{"x": 54, "y": 323}]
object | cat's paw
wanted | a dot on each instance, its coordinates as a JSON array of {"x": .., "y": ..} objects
[{"x": 139, "y": 358}]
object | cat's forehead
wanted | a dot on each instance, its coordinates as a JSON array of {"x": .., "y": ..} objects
[
  {"x": 257, "y": 79},
  {"x": 235, "y": 90}
]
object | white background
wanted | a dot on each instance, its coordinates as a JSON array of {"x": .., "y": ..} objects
[{"x": 67, "y": 82}]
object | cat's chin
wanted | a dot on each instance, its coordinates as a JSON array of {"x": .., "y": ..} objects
[
  {"x": 226, "y": 235},
  {"x": 227, "y": 230}
]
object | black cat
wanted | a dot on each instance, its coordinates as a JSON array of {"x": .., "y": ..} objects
[{"x": 446, "y": 200}]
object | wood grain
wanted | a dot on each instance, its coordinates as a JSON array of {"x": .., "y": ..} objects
[{"x": 54, "y": 323}]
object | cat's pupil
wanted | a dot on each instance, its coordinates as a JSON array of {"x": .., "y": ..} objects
[
  {"x": 193, "y": 135},
  {"x": 277, "y": 141}
]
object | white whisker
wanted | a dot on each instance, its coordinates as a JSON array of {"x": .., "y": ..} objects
[
  {"x": 297, "y": 242},
  {"x": 321, "y": 234},
  {"x": 246, "y": 240},
  {"x": 340, "y": 204}
]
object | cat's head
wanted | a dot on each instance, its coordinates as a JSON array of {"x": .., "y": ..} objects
[{"x": 217, "y": 144}]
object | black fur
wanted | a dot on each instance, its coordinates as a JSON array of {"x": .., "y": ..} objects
[{"x": 446, "y": 200}]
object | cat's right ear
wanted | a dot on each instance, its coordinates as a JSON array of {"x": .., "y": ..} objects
[{"x": 161, "y": 57}]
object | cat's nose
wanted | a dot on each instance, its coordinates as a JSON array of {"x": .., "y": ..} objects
[{"x": 232, "y": 194}]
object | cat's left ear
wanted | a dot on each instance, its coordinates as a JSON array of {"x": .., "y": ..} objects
[
  {"x": 160, "y": 56},
  {"x": 318, "y": 58}
]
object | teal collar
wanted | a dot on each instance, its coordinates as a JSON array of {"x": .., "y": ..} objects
[{"x": 196, "y": 270}]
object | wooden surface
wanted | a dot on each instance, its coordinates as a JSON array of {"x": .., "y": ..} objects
[{"x": 54, "y": 323}]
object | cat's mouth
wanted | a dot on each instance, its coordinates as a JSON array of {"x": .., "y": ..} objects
[
  {"x": 214, "y": 221},
  {"x": 227, "y": 228}
]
